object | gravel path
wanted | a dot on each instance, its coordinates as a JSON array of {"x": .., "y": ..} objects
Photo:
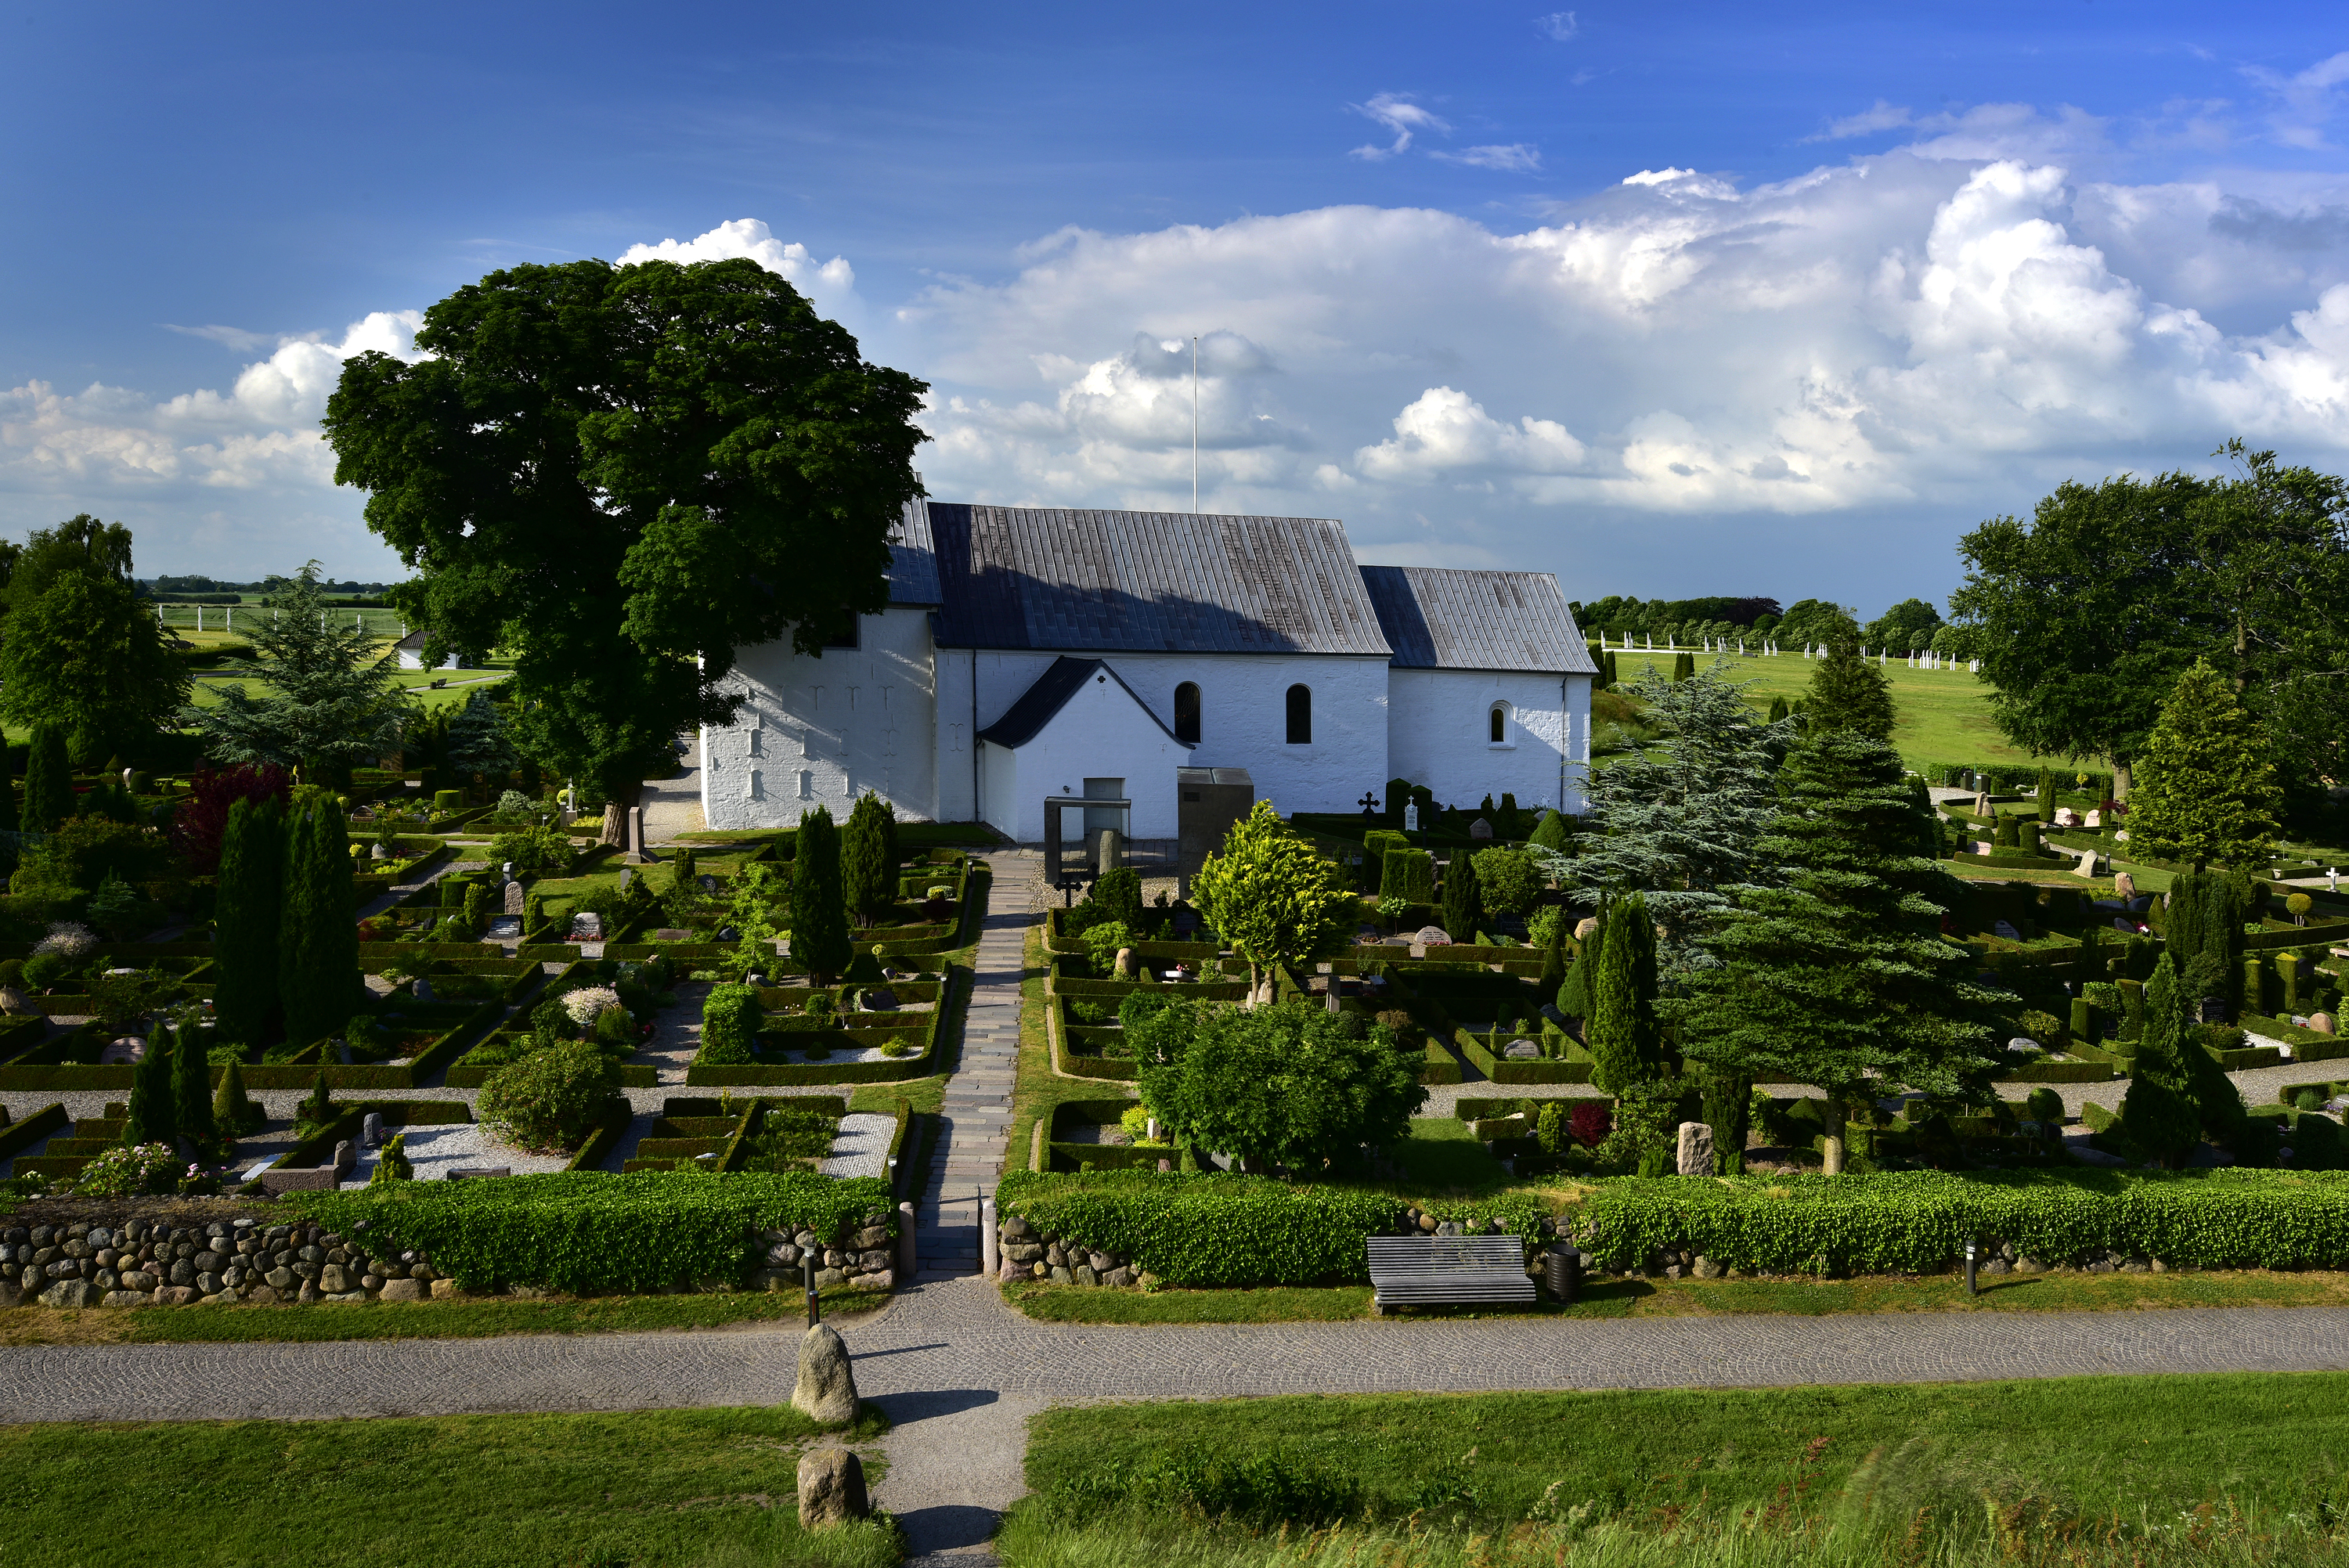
[{"x": 861, "y": 1148}]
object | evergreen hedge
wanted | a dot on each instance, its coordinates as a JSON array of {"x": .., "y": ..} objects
[
  {"x": 1916, "y": 1223},
  {"x": 585, "y": 1231}
]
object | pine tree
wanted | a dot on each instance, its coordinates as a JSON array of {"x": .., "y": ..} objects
[
  {"x": 323, "y": 698},
  {"x": 868, "y": 873},
  {"x": 819, "y": 915},
  {"x": 149, "y": 1118},
  {"x": 244, "y": 923},
  {"x": 192, "y": 1089},
  {"x": 2157, "y": 1113},
  {"x": 1847, "y": 693},
  {"x": 2203, "y": 786},
  {"x": 317, "y": 949},
  {"x": 1464, "y": 904},
  {"x": 1840, "y": 978},
  {"x": 1623, "y": 1033},
  {"x": 48, "y": 780},
  {"x": 233, "y": 1111}
]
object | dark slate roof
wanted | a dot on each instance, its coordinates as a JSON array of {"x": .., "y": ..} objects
[
  {"x": 912, "y": 565},
  {"x": 1115, "y": 582},
  {"x": 1439, "y": 620},
  {"x": 1023, "y": 720}
]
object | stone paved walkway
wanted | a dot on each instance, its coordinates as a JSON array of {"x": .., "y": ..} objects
[{"x": 967, "y": 1158}]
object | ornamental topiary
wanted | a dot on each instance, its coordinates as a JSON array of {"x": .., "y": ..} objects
[
  {"x": 730, "y": 1026},
  {"x": 1408, "y": 874},
  {"x": 549, "y": 1100}
]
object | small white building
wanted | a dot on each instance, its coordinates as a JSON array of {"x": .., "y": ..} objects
[
  {"x": 410, "y": 650},
  {"x": 1034, "y": 652}
]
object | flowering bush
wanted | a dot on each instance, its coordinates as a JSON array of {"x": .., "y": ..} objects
[
  {"x": 129, "y": 1171},
  {"x": 67, "y": 940},
  {"x": 587, "y": 1004}
]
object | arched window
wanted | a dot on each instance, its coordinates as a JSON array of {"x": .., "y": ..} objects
[
  {"x": 1498, "y": 723},
  {"x": 1186, "y": 712},
  {"x": 1300, "y": 716}
]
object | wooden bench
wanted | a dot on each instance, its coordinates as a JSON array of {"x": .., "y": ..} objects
[{"x": 1424, "y": 1271}]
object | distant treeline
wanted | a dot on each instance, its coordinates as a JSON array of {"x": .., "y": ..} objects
[{"x": 211, "y": 591}]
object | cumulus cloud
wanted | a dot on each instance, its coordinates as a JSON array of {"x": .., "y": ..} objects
[
  {"x": 1445, "y": 431},
  {"x": 1402, "y": 118},
  {"x": 831, "y": 284}
]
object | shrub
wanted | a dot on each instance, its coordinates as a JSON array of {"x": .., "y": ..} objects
[
  {"x": 616, "y": 1030},
  {"x": 544, "y": 849},
  {"x": 393, "y": 1164},
  {"x": 1283, "y": 1083},
  {"x": 1102, "y": 943},
  {"x": 1508, "y": 880},
  {"x": 730, "y": 1026},
  {"x": 446, "y": 801},
  {"x": 2006, "y": 835},
  {"x": 2298, "y": 905},
  {"x": 1117, "y": 892},
  {"x": 1408, "y": 874},
  {"x": 2045, "y": 1105},
  {"x": 131, "y": 1170},
  {"x": 585, "y": 1231},
  {"x": 1590, "y": 1124},
  {"x": 550, "y": 1099}
]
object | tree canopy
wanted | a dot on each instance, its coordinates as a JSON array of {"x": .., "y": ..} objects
[
  {"x": 2205, "y": 788},
  {"x": 1272, "y": 897},
  {"x": 622, "y": 475},
  {"x": 1848, "y": 692},
  {"x": 327, "y": 703},
  {"x": 82, "y": 652}
]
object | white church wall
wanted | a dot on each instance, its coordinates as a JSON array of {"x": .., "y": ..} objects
[
  {"x": 1439, "y": 734},
  {"x": 960, "y": 777},
  {"x": 823, "y": 730},
  {"x": 1244, "y": 718},
  {"x": 1098, "y": 733}
]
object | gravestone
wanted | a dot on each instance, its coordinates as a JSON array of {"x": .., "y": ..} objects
[
  {"x": 1480, "y": 829},
  {"x": 504, "y": 928},
  {"x": 1695, "y": 1152},
  {"x": 371, "y": 1130},
  {"x": 2122, "y": 922},
  {"x": 345, "y": 1156},
  {"x": 514, "y": 904},
  {"x": 1432, "y": 936},
  {"x": 2124, "y": 886},
  {"x": 1411, "y": 818},
  {"x": 880, "y": 999},
  {"x": 2001, "y": 929},
  {"x": 2093, "y": 819},
  {"x": 627, "y": 876},
  {"x": 1521, "y": 1051},
  {"x": 588, "y": 925},
  {"x": 708, "y": 883},
  {"x": 830, "y": 1488},
  {"x": 378, "y": 852},
  {"x": 1586, "y": 928},
  {"x": 2066, "y": 818}
]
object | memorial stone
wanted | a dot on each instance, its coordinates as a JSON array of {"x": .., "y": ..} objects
[{"x": 1695, "y": 1151}]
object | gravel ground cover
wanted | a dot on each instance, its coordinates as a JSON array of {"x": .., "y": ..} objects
[{"x": 861, "y": 1148}]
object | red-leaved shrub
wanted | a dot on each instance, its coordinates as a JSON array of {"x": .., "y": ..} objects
[{"x": 203, "y": 817}]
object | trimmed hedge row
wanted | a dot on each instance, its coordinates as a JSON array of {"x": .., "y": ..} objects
[
  {"x": 587, "y": 1233},
  {"x": 1915, "y": 1222},
  {"x": 1210, "y": 1229}
]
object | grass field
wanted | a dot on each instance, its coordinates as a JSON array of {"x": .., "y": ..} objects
[
  {"x": 707, "y": 1487},
  {"x": 2199, "y": 1469}
]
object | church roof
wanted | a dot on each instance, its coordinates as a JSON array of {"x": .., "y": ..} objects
[
  {"x": 1134, "y": 581},
  {"x": 1440, "y": 620},
  {"x": 1023, "y": 720}
]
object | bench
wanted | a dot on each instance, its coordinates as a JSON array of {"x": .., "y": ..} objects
[{"x": 1424, "y": 1271}]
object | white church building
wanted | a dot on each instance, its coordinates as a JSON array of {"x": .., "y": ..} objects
[{"x": 1033, "y": 653}]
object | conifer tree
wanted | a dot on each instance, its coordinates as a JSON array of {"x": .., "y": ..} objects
[
  {"x": 1847, "y": 693},
  {"x": 233, "y": 1111},
  {"x": 149, "y": 1118},
  {"x": 1778, "y": 709},
  {"x": 2046, "y": 794},
  {"x": 2158, "y": 1113},
  {"x": 1623, "y": 1032},
  {"x": 819, "y": 915},
  {"x": 191, "y": 1089},
  {"x": 245, "y": 917},
  {"x": 1463, "y": 903},
  {"x": 1840, "y": 978},
  {"x": 1552, "y": 970},
  {"x": 318, "y": 945},
  {"x": 868, "y": 872},
  {"x": 48, "y": 780},
  {"x": 1550, "y": 833},
  {"x": 2203, "y": 786},
  {"x": 2202, "y": 932}
]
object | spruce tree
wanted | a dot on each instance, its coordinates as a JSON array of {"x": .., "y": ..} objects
[
  {"x": 149, "y": 1119},
  {"x": 2203, "y": 788},
  {"x": 318, "y": 945},
  {"x": 192, "y": 1089},
  {"x": 1464, "y": 904},
  {"x": 818, "y": 915},
  {"x": 48, "y": 780},
  {"x": 1840, "y": 978},
  {"x": 1623, "y": 1033},
  {"x": 2158, "y": 1113},
  {"x": 245, "y": 917},
  {"x": 1847, "y": 693},
  {"x": 868, "y": 873}
]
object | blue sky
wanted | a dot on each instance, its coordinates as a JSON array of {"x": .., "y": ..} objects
[{"x": 1698, "y": 299}]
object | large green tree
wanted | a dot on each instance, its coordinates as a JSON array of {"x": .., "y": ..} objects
[
  {"x": 48, "y": 780},
  {"x": 868, "y": 866},
  {"x": 327, "y": 701},
  {"x": 1272, "y": 898},
  {"x": 1849, "y": 693},
  {"x": 1623, "y": 1032},
  {"x": 2206, "y": 789},
  {"x": 1906, "y": 626},
  {"x": 1840, "y": 978},
  {"x": 622, "y": 475},
  {"x": 82, "y": 651}
]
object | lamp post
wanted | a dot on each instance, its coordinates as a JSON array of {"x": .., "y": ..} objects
[
  {"x": 1973, "y": 1253},
  {"x": 807, "y": 1278}
]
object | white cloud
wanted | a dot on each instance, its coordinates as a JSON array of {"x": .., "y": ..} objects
[
  {"x": 832, "y": 284},
  {"x": 1402, "y": 118},
  {"x": 1559, "y": 26},
  {"x": 1516, "y": 158},
  {"x": 2306, "y": 102},
  {"x": 1444, "y": 431},
  {"x": 1866, "y": 122}
]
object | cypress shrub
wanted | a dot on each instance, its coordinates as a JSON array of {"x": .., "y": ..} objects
[
  {"x": 2046, "y": 795},
  {"x": 48, "y": 780},
  {"x": 2157, "y": 1113},
  {"x": 1622, "y": 1032},
  {"x": 1728, "y": 1105},
  {"x": 2026, "y": 833},
  {"x": 868, "y": 870},
  {"x": 1408, "y": 874},
  {"x": 730, "y": 1026},
  {"x": 149, "y": 1118},
  {"x": 235, "y": 1111},
  {"x": 2008, "y": 834},
  {"x": 192, "y": 1089},
  {"x": 1505, "y": 821},
  {"x": 1397, "y": 797},
  {"x": 1375, "y": 845},
  {"x": 1553, "y": 971},
  {"x": 819, "y": 916},
  {"x": 1463, "y": 903},
  {"x": 244, "y": 942},
  {"x": 1552, "y": 832},
  {"x": 318, "y": 944}
]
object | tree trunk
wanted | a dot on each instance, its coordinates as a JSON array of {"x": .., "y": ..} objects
[
  {"x": 2120, "y": 778},
  {"x": 616, "y": 815},
  {"x": 1832, "y": 1162}
]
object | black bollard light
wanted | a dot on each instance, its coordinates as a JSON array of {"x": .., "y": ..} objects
[
  {"x": 1972, "y": 1252},
  {"x": 807, "y": 1276}
]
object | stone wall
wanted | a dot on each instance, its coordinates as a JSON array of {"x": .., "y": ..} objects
[{"x": 865, "y": 1259}]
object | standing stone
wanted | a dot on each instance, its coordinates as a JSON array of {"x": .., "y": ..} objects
[
  {"x": 1695, "y": 1149},
  {"x": 1480, "y": 829},
  {"x": 827, "y": 1390},
  {"x": 2093, "y": 819},
  {"x": 1586, "y": 928},
  {"x": 371, "y": 1130},
  {"x": 2124, "y": 886},
  {"x": 514, "y": 904},
  {"x": 831, "y": 1487}
]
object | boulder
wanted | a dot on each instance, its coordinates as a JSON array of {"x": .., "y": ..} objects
[
  {"x": 1695, "y": 1152},
  {"x": 2124, "y": 886},
  {"x": 827, "y": 1390},
  {"x": 2323, "y": 1024},
  {"x": 1586, "y": 928},
  {"x": 70, "y": 1293},
  {"x": 1521, "y": 1051},
  {"x": 403, "y": 1290},
  {"x": 831, "y": 1487}
]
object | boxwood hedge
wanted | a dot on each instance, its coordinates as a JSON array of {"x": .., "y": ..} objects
[
  {"x": 587, "y": 1232},
  {"x": 1916, "y": 1223},
  {"x": 1215, "y": 1229}
]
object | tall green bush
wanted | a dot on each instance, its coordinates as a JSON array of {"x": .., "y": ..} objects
[
  {"x": 48, "y": 780},
  {"x": 1623, "y": 1033},
  {"x": 1552, "y": 832},
  {"x": 2046, "y": 794},
  {"x": 1848, "y": 692},
  {"x": 319, "y": 948},
  {"x": 1408, "y": 874},
  {"x": 868, "y": 870},
  {"x": 730, "y": 1026},
  {"x": 245, "y": 921},
  {"x": 234, "y": 1112},
  {"x": 1506, "y": 881},
  {"x": 818, "y": 910},
  {"x": 192, "y": 1089},
  {"x": 1117, "y": 892},
  {"x": 550, "y": 1098},
  {"x": 149, "y": 1117},
  {"x": 2205, "y": 788},
  {"x": 2158, "y": 1114},
  {"x": 1464, "y": 903},
  {"x": 1289, "y": 1083}
]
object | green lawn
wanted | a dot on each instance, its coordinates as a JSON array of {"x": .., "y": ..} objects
[{"x": 668, "y": 1487}]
